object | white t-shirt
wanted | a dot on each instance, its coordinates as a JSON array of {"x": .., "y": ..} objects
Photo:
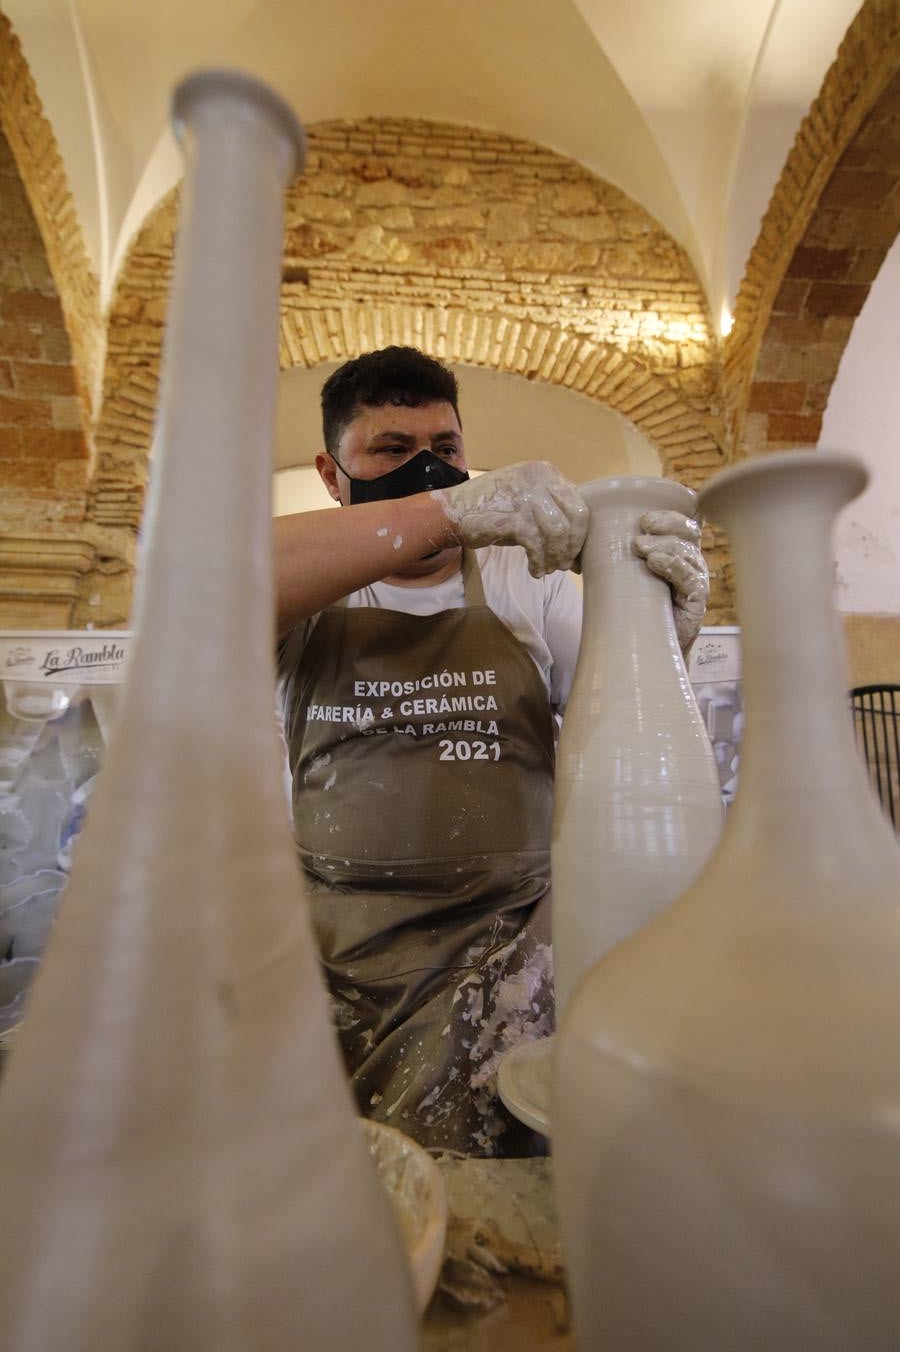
[{"x": 543, "y": 613}]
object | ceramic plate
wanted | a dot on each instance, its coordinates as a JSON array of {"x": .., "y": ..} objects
[{"x": 523, "y": 1082}]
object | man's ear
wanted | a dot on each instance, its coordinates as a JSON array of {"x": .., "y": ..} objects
[{"x": 328, "y": 474}]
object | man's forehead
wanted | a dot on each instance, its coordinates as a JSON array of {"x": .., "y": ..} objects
[{"x": 435, "y": 417}]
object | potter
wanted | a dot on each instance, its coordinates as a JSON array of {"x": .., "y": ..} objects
[{"x": 426, "y": 855}]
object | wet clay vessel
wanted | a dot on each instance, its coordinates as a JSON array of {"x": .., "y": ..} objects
[
  {"x": 725, "y": 1102},
  {"x": 181, "y": 1167}
]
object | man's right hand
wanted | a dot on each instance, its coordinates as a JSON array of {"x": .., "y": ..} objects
[{"x": 530, "y": 504}]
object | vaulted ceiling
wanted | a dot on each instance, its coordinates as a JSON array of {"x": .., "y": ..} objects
[
  {"x": 689, "y": 108},
  {"x": 714, "y": 188}
]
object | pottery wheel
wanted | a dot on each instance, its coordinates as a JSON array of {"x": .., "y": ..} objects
[{"x": 523, "y": 1082}]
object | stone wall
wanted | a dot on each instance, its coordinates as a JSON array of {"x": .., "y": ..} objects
[
  {"x": 43, "y": 454},
  {"x": 488, "y": 250},
  {"x": 451, "y": 218},
  {"x": 40, "y": 167},
  {"x": 479, "y": 248},
  {"x": 51, "y": 341}
]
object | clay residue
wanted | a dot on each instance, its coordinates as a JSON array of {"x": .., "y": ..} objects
[
  {"x": 505, "y": 1001},
  {"x": 530, "y": 504},
  {"x": 503, "y": 1253}
]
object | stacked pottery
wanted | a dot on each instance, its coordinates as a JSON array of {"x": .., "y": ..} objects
[
  {"x": 181, "y": 1166},
  {"x": 726, "y": 1119}
]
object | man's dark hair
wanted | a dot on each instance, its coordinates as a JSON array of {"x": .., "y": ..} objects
[{"x": 403, "y": 376}]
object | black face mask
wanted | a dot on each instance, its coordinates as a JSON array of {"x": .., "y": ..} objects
[{"x": 421, "y": 473}]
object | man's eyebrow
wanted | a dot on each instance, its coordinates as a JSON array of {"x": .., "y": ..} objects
[{"x": 407, "y": 439}]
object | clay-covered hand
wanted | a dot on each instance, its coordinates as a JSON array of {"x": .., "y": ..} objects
[
  {"x": 670, "y": 544},
  {"x": 530, "y": 504}
]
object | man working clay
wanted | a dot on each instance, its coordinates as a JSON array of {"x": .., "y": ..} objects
[{"x": 428, "y": 634}]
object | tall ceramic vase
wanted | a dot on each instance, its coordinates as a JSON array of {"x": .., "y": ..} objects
[
  {"x": 638, "y": 807},
  {"x": 180, "y": 1163},
  {"x": 728, "y": 1081}
]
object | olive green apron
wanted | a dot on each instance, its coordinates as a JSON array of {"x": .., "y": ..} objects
[{"x": 422, "y": 753}]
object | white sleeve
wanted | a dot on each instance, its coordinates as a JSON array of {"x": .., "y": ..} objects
[{"x": 562, "y": 634}]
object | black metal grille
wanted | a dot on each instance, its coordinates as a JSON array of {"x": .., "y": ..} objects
[{"x": 876, "y": 720}]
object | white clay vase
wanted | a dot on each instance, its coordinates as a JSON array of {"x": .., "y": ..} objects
[
  {"x": 181, "y": 1165},
  {"x": 727, "y": 1092},
  {"x": 638, "y": 808}
]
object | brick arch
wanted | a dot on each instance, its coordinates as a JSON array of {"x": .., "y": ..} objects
[
  {"x": 43, "y": 452},
  {"x": 833, "y": 216},
  {"x": 51, "y": 556},
  {"x": 688, "y": 450},
  {"x": 687, "y": 447},
  {"x": 503, "y": 342},
  {"x": 432, "y": 215},
  {"x": 478, "y": 247},
  {"x": 43, "y": 455}
]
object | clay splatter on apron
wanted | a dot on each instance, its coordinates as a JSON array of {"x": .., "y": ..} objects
[{"x": 432, "y": 913}]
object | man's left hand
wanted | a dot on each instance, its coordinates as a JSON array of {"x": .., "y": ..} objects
[{"x": 670, "y": 544}]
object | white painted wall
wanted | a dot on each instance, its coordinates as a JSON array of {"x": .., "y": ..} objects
[
  {"x": 798, "y": 49},
  {"x": 298, "y": 490},
  {"x": 863, "y": 416},
  {"x": 688, "y": 107}
]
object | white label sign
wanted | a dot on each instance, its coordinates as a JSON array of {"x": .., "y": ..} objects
[
  {"x": 716, "y": 655},
  {"x": 65, "y": 657}
]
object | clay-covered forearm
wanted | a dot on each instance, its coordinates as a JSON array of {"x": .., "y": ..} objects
[{"x": 323, "y": 555}]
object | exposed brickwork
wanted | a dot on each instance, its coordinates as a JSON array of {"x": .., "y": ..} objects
[
  {"x": 448, "y": 217},
  {"x": 479, "y": 248},
  {"x": 486, "y": 250},
  {"x": 833, "y": 218},
  {"x": 51, "y": 346},
  {"x": 37, "y": 158},
  {"x": 43, "y": 453},
  {"x": 40, "y": 580},
  {"x": 834, "y": 215}
]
